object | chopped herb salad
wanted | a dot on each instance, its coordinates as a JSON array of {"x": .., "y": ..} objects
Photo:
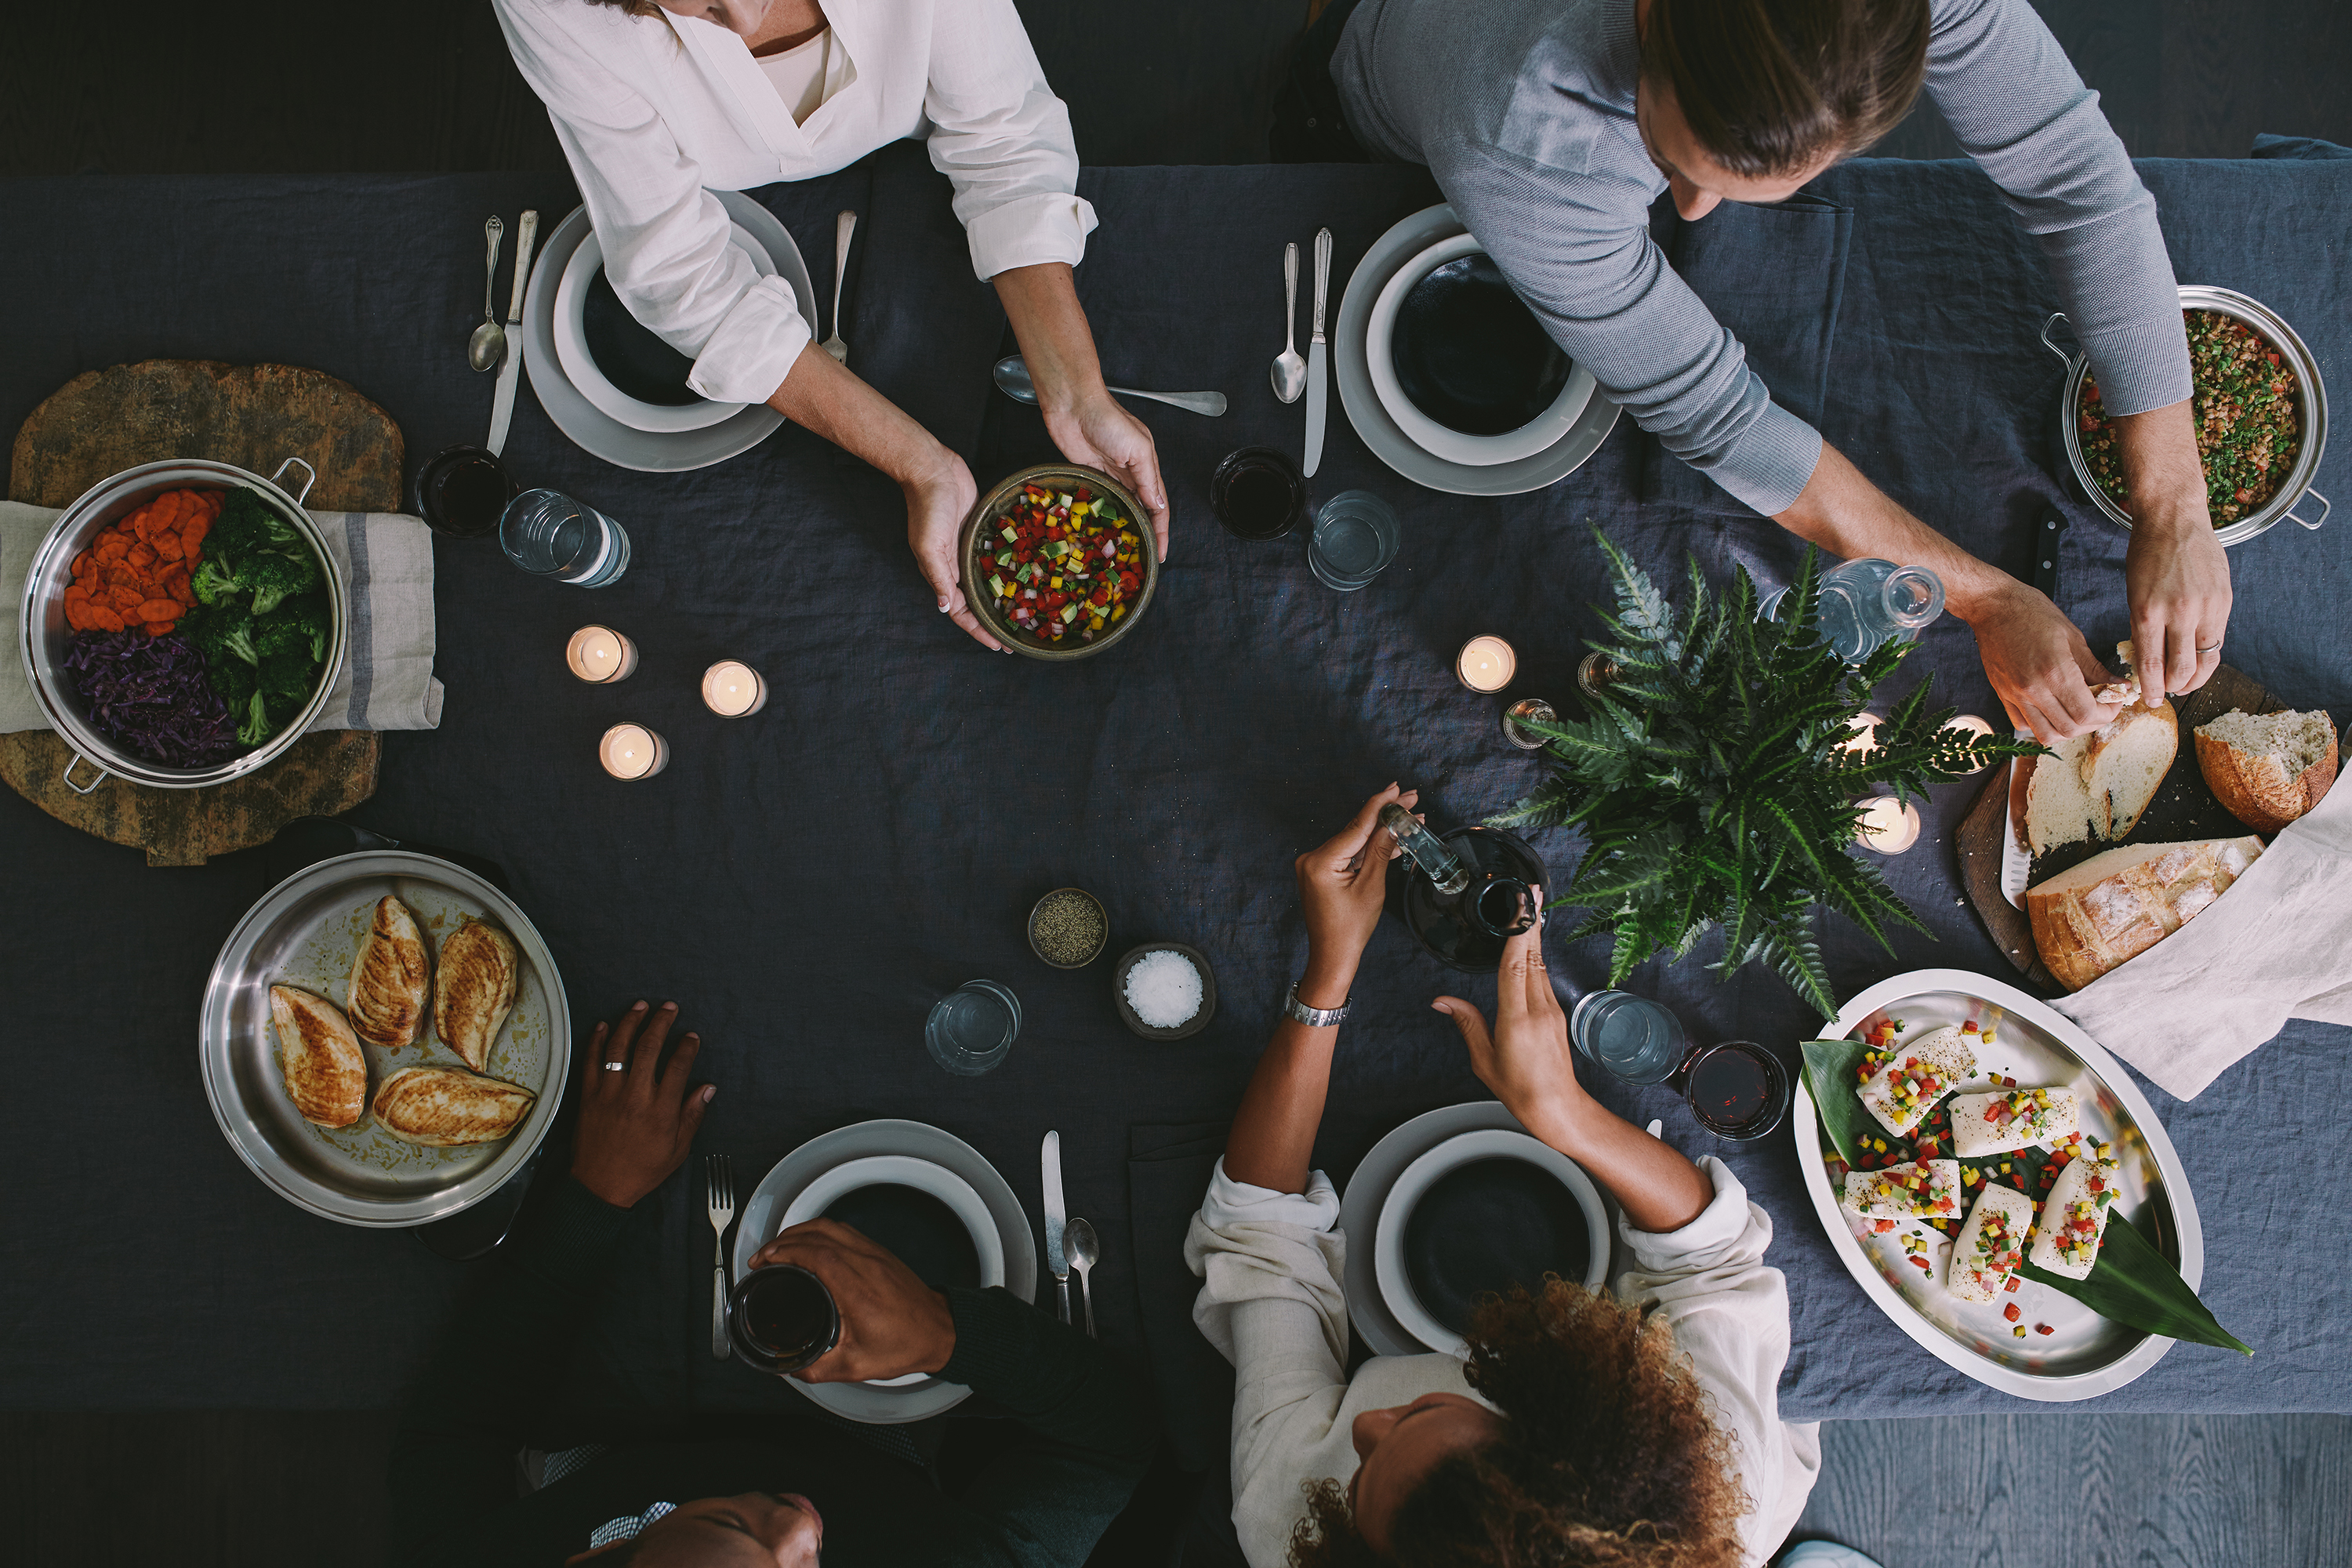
[{"x": 2244, "y": 397}]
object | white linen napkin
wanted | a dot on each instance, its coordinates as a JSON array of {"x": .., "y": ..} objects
[
  {"x": 386, "y": 558},
  {"x": 2277, "y": 945}
]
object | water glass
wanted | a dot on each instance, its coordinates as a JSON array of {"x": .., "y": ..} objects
[
  {"x": 1258, "y": 493},
  {"x": 1353, "y": 540},
  {"x": 1633, "y": 1037},
  {"x": 972, "y": 1030},
  {"x": 551, "y": 535}
]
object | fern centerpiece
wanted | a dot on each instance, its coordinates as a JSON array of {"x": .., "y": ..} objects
[{"x": 1714, "y": 785}]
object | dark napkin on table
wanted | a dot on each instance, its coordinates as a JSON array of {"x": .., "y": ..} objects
[
  {"x": 1168, "y": 1173},
  {"x": 1774, "y": 277}
]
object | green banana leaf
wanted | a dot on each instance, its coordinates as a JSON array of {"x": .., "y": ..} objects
[
  {"x": 1833, "y": 1063},
  {"x": 2134, "y": 1283}
]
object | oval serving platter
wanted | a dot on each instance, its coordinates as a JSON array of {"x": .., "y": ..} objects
[
  {"x": 305, "y": 932},
  {"x": 2086, "y": 1355}
]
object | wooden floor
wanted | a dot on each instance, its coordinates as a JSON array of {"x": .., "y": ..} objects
[{"x": 167, "y": 87}]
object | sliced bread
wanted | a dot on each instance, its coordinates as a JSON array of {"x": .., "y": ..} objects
[
  {"x": 2095, "y": 787},
  {"x": 2268, "y": 769},
  {"x": 2115, "y": 906}
]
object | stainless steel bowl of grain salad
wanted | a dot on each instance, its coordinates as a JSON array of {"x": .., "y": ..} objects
[{"x": 2260, "y": 409}]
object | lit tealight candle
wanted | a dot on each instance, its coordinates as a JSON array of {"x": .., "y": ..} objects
[
  {"x": 1866, "y": 733},
  {"x": 731, "y": 690},
  {"x": 600, "y": 655},
  {"x": 632, "y": 752},
  {"x": 1967, "y": 729},
  {"x": 1888, "y": 825},
  {"x": 1486, "y": 664}
]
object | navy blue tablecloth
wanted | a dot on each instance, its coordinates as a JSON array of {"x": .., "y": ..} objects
[{"x": 807, "y": 882}]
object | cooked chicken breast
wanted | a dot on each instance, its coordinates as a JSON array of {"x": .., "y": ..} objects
[
  {"x": 391, "y": 979},
  {"x": 474, "y": 990},
  {"x": 442, "y": 1107},
  {"x": 326, "y": 1071}
]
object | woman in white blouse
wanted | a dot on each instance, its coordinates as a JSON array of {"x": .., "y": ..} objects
[
  {"x": 659, "y": 102},
  {"x": 1639, "y": 1428}
]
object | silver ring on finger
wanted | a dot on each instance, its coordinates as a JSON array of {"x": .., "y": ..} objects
[
  {"x": 616, "y": 1067},
  {"x": 2209, "y": 647}
]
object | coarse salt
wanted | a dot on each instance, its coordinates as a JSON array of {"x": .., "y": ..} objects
[{"x": 1164, "y": 989}]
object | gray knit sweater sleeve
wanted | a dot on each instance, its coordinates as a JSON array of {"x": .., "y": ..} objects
[{"x": 2021, "y": 111}]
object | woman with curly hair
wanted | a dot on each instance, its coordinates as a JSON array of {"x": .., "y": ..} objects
[{"x": 1641, "y": 1428}]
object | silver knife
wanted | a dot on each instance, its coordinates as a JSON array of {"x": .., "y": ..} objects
[
  {"x": 1319, "y": 389},
  {"x": 502, "y": 400},
  {"x": 2016, "y": 855},
  {"x": 1057, "y": 1262}
]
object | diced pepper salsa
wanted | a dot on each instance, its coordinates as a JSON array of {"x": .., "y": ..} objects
[{"x": 1061, "y": 565}]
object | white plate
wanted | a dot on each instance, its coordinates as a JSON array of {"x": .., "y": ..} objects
[
  {"x": 572, "y": 345},
  {"x": 1351, "y": 354},
  {"x": 1455, "y": 445},
  {"x": 924, "y": 1176},
  {"x": 598, "y": 433},
  {"x": 762, "y": 1216},
  {"x": 2088, "y": 1355},
  {"x": 1396, "y": 1209}
]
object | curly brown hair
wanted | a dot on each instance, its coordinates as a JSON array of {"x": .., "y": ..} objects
[{"x": 1608, "y": 1456}]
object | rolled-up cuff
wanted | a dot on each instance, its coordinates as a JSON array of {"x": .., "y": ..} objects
[
  {"x": 1711, "y": 1234},
  {"x": 755, "y": 345},
  {"x": 1230, "y": 1203},
  {"x": 1770, "y": 463},
  {"x": 1028, "y": 230},
  {"x": 2140, "y": 366}
]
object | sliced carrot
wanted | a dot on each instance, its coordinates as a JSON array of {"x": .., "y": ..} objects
[
  {"x": 104, "y": 620},
  {"x": 192, "y": 532},
  {"x": 167, "y": 546},
  {"x": 157, "y": 629},
  {"x": 160, "y": 610},
  {"x": 81, "y": 563}
]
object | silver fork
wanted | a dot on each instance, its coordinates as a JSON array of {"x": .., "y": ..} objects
[{"x": 718, "y": 1186}]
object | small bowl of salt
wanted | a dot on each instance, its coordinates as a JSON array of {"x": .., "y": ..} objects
[{"x": 1165, "y": 991}]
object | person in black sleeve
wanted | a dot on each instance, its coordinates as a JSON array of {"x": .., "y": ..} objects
[{"x": 717, "y": 1496}]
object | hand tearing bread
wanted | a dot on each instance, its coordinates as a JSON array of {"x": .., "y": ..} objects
[
  {"x": 2095, "y": 787},
  {"x": 474, "y": 990},
  {"x": 391, "y": 979}
]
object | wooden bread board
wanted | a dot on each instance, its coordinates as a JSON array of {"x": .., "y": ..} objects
[
  {"x": 255, "y": 416},
  {"x": 2184, "y": 807}
]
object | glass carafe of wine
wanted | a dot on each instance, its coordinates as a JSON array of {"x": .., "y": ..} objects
[{"x": 1462, "y": 892}]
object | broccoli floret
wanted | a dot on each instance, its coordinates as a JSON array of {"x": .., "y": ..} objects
[
  {"x": 236, "y": 680},
  {"x": 276, "y": 574},
  {"x": 245, "y": 526},
  {"x": 250, "y": 548},
  {"x": 215, "y": 579},
  {"x": 274, "y": 636},
  {"x": 289, "y": 677},
  {"x": 308, "y": 611},
  {"x": 222, "y": 633},
  {"x": 255, "y": 727}
]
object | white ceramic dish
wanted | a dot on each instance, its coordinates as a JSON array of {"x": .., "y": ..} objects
[
  {"x": 2086, "y": 1355},
  {"x": 1486, "y": 1143},
  {"x": 1388, "y": 441},
  {"x": 598, "y": 433},
  {"x": 762, "y": 1215},
  {"x": 571, "y": 346},
  {"x": 924, "y": 1176},
  {"x": 1368, "y": 1190},
  {"x": 1478, "y": 451}
]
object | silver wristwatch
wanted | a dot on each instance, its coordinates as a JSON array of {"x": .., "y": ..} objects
[{"x": 1313, "y": 1018}]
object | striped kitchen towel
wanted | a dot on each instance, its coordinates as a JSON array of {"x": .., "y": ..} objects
[{"x": 386, "y": 560}]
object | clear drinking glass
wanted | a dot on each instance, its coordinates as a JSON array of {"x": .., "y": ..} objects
[
  {"x": 551, "y": 535},
  {"x": 1633, "y": 1037},
  {"x": 972, "y": 1030},
  {"x": 1353, "y": 540}
]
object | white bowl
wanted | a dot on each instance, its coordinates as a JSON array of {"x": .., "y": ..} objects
[
  {"x": 1387, "y": 1231},
  {"x": 1454, "y": 445},
  {"x": 580, "y": 366},
  {"x": 906, "y": 1171}
]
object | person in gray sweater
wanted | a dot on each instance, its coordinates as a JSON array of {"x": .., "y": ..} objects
[{"x": 1552, "y": 125}]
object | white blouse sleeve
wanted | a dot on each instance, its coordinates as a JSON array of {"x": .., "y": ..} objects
[
  {"x": 1003, "y": 140},
  {"x": 1731, "y": 1317},
  {"x": 667, "y": 248}
]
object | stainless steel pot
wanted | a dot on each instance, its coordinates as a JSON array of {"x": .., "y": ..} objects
[
  {"x": 44, "y": 638},
  {"x": 2313, "y": 407}
]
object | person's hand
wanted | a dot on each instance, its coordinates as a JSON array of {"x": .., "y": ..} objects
[
  {"x": 1342, "y": 887},
  {"x": 636, "y": 1122},
  {"x": 1095, "y": 430},
  {"x": 2177, "y": 577},
  {"x": 891, "y": 1322},
  {"x": 939, "y": 495},
  {"x": 1526, "y": 1058},
  {"x": 2040, "y": 666}
]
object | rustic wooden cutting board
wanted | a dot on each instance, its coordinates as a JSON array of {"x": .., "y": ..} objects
[
  {"x": 2184, "y": 807},
  {"x": 255, "y": 416}
]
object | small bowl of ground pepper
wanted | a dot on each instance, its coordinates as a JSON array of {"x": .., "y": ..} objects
[{"x": 1068, "y": 928}]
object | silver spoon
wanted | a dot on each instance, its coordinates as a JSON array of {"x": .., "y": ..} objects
[
  {"x": 1078, "y": 1240},
  {"x": 1289, "y": 371},
  {"x": 1013, "y": 380},
  {"x": 844, "y": 226},
  {"x": 489, "y": 343}
]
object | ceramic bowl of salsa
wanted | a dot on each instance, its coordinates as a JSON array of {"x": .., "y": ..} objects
[{"x": 1058, "y": 562}]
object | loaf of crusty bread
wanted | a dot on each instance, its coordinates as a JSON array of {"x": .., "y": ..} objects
[
  {"x": 2095, "y": 787},
  {"x": 2268, "y": 769},
  {"x": 2118, "y": 905}
]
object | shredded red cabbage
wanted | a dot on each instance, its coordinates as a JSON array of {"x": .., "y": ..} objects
[{"x": 149, "y": 695}]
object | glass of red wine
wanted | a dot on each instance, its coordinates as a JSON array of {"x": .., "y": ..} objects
[
  {"x": 780, "y": 1319},
  {"x": 462, "y": 491},
  {"x": 1258, "y": 494},
  {"x": 1737, "y": 1089}
]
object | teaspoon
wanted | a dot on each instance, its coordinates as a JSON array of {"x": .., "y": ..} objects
[
  {"x": 489, "y": 343},
  {"x": 1013, "y": 380},
  {"x": 1078, "y": 1238},
  {"x": 1289, "y": 370}
]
